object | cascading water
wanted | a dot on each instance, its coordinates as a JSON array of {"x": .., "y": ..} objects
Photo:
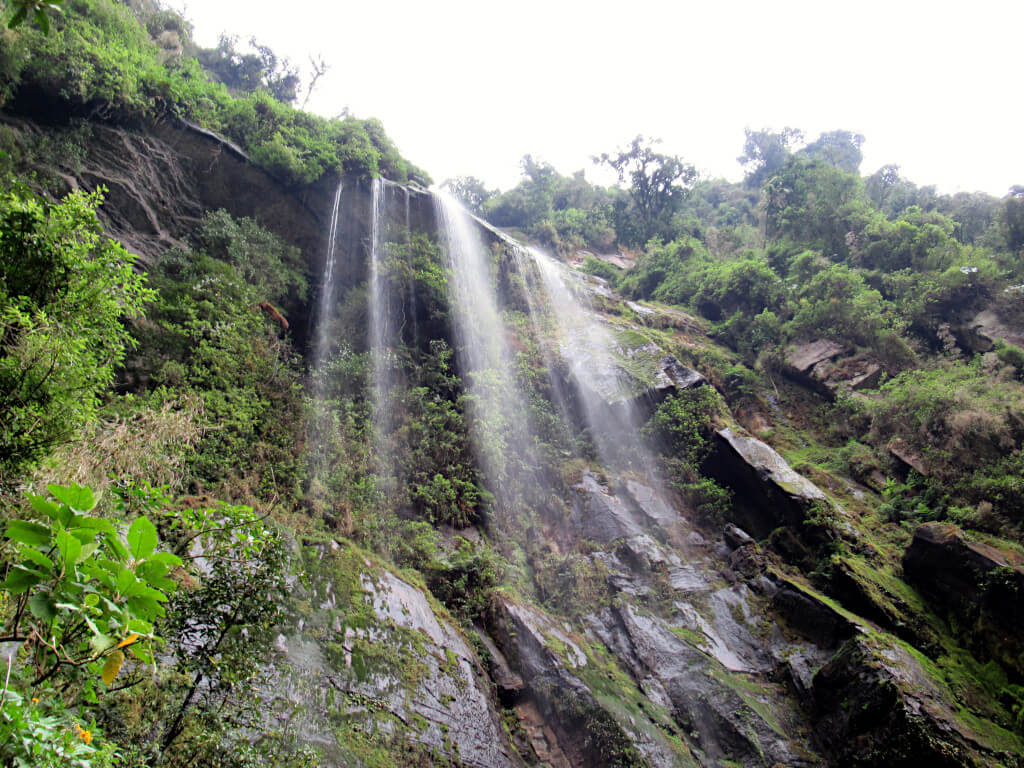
[
  {"x": 500, "y": 423},
  {"x": 411, "y": 297},
  {"x": 381, "y": 343},
  {"x": 605, "y": 389},
  {"x": 594, "y": 516},
  {"x": 322, "y": 349},
  {"x": 327, "y": 287}
]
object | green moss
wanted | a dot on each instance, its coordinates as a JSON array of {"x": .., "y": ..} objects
[
  {"x": 619, "y": 695},
  {"x": 750, "y": 692},
  {"x": 688, "y": 636},
  {"x": 956, "y": 680}
]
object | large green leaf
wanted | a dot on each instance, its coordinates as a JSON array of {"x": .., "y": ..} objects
[
  {"x": 142, "y": 538},
  {"x": 96, "y": 523},
  {"x": 126, "y": 581},
  {"x": 155, "y": 573},
  {"x": 77, "y": 497},
  {"x": 33, "y": 534},
  {"x": 70, "y": 548},
  {"x": 117, "y": 545},
  {"x": 21, "y": 579},
  {"x": 44, "y": 506},
  {"x": 42, "y": 606},
  {"x": 140, "y": 626},
  {"x": 141, "y": 652},
  {"x": 146, "y": 607},
  {"x": 84, "y": 535},
  {"x": 37, "y": 557},
  {"x": 166, "y": 558}
]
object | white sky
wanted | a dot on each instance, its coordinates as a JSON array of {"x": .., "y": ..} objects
[{"x": 469, "y": 87}]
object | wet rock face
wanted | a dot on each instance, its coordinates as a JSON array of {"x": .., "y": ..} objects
[
  {"x": 580, "y": 730},
  {"x": 978, "y": 587},
  {"x": 698, "y": 646},
  {"x": 374, "y": 661},
  {"x": 710, "y": 703}
]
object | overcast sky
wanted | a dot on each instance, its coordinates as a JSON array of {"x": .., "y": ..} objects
[{"x": 468, "y": 88}]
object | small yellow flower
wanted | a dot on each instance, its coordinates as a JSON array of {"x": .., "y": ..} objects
[
  {"x": 35, "y": 700},
  {"x": 83, "y": 734}
]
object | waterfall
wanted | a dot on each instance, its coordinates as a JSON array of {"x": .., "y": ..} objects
[
  {"x": 596, "y": 363},
  {"x": 499, "y": 418},
  {"x": 320, "y": 418},
  {"x": 411, "y": 298},
  {"x": 380, "y": 310},
  {"x": 327, "y": 287}
]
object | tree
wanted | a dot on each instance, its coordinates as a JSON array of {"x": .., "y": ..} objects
[
  {"x": 880, "y": 184},
  {"x": 471, "y": 192},
  {"x": 259, "y": 69},
  {"x": 320, "y": 68},
  {"x": 840, "y": 149},
  {"x": 765, "y": 152},
  {"x": 64, "y": 292},
  {"x": 1013, "y": 218},
  {"x": 658, "y": 184}
]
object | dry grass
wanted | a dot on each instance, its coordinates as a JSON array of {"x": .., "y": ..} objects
[{"x": 151, "y": 445}]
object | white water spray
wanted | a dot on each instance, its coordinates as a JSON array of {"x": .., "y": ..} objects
[{"x": 499, "y": 417}]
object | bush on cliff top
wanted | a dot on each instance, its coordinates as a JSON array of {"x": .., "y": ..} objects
[{"x": 98, "y": 60}]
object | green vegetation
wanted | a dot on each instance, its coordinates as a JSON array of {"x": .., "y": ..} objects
[
  {"x": 64, "y": 289},
  {"x": 86, "y": 595},
  {"x": 681, "y": 426},
  {"x": 213, "y": 336},
  {"x": 99, "y": 57},
  {"x": 137, "y": 603}
]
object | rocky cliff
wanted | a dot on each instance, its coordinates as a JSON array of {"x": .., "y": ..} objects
[{"x": 778, "y": 632}]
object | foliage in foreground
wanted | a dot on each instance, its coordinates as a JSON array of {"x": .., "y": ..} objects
[{"x": 92, "y": 601}]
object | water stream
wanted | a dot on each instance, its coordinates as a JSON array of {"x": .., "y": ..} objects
[
  {"x": 499, "y": 419},
  {"x": 596, "y": 363}
]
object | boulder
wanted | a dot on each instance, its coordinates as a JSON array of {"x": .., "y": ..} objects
[
  {"x": 672, "y": 376},
  {"x": 823, "y": 367},
  {"x": 978, "y": 587},
  {"x": 768, "y": 492},
  {"x": 906, "y": 455},
  {"x": 878, "y": 705},
  {"x": 991, "y": 326},
  {"x": 736, "y": 537},
  {"x": 804, "y": 357}
]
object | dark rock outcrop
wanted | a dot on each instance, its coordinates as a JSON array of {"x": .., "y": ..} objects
[
  {"x": 769, "y": 494},
  {"x": 878, "y": 706},
  {"x": 979, "y": 588},
  {"x": 824, "y": 367}
]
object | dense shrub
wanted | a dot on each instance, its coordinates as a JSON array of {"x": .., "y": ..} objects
[
  {"x": 212, "y": 333},
  {"x": 99, "y": 60},
  {"x": 64, "y": 291}
]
